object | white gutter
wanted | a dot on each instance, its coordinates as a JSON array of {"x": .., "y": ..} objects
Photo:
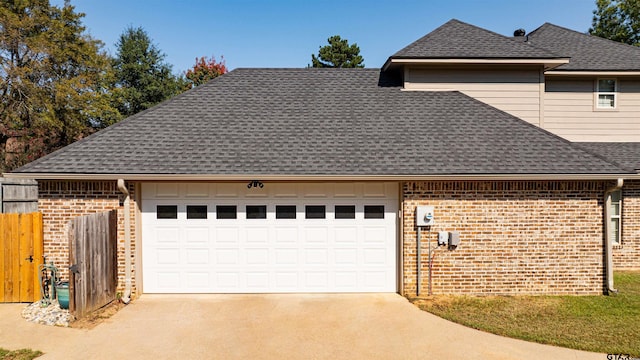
[
  {"x": 127, "y": 242},
  {"x": 318, "y": 177},
  {"x": 607, "y": 240}
]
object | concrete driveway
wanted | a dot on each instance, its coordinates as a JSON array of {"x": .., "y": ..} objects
[{"x": 354, "y": 326}]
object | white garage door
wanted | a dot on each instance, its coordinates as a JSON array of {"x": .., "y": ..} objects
[{"x": 283, "y": 237}]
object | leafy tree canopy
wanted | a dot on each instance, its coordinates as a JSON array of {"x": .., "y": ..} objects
[
  {"x": 142, "y": 77},
  {"x": 205, "y": 70},
  {"x": 53, "y": 80},
  {"x": 338, "y": 54},
  {"x": 617, "y": 20}
]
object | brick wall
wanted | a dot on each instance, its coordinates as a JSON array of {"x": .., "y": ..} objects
[
  {"x": 60, "y": 201},
  {"x": 517, "y": 237},
  {"x": 627, "y": 254}
]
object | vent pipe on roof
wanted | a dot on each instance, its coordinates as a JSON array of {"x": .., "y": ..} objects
[{"x": 519, "y": 32}]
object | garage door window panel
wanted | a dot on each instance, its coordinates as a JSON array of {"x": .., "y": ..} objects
[
  {"x": 374, "y": 211},
  {"x": 285, "y": 211},
  {"x": 345, "y": 212},
  {"x": 167, "y": 212},
  {"x": 196, "y": 211},
  {"x": 226, "y": 212},
  {"x": 315, "y": 212},
  {"x": 256, "y": 211}
]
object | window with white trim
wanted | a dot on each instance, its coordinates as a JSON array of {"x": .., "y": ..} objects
[
  {"x": 606, "y": 94},
  {"x": 615, "y": 214}
]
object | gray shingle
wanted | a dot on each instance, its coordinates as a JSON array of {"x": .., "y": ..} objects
[
  {"x": 456, "y": 39},
  {"x": 588, "y": 53},
  {"x": 627, "y": 154},
  {"x": 320, "y": 121}
]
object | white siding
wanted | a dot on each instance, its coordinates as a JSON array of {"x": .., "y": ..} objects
[
  {"x": 516, "y": 91},
  {"x": 569, "y": 111}
]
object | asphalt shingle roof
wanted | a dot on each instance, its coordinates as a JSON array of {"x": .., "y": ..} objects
[
  {"x": 627, "y": 154},
  {"x": 587, "y": 52},
  {"x": 456, "y": 39},
  {"x": 320, "y": 122}
]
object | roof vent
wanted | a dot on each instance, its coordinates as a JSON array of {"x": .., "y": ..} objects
[{"x": 519, "y": 32}]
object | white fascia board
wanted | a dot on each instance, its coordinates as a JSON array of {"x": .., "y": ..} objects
[
  {"x": 548, "y": 63},
  {"x": 262, "y": 177},
  {"x": 591, "y": 73}
]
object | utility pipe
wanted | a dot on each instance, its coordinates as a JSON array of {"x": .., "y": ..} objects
[
  {"x": 607, "y": 230},
  {"x": 429, "y": 264},
  {"x": 419, "y": 264},
  {"x": 126, "y": 298},
  {"x": 430, "y": 268}
]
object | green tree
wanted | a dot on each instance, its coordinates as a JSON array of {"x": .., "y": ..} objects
[
  {"x": 338, "y": 54},
  {"x": 617, "y": 20},
  {"x": 53, "y": 80},
  {"x": 142, "y": 77},
  {"x": 205, "y": 70}
]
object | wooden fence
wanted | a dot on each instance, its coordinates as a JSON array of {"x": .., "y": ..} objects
[
  {"x": 21, "y": 250},
  {"x": 93, "y": 258},
  {"x": 18, "y": 195}
]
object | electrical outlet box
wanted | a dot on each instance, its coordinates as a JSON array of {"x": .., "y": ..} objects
[
  {"x": 443, "y": 238},
  {"x": 424, "y": 216},
  {"x": 454, "y": 239}
]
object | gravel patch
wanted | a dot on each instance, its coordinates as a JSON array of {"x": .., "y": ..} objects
[{"x": 51, "y": 315}]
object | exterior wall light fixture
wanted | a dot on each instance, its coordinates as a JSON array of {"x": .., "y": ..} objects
[{"x": 255, "y": 184}]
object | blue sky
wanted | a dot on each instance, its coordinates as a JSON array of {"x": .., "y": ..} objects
[{"x": 284, "y": 33}]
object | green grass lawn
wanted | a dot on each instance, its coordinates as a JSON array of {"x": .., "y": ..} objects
[
  {"x": 22, "y": 354},
  {"x": 605, "y": 324}
]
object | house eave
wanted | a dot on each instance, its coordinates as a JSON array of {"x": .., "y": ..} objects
[
  {"x": 317, "y": 177},
  {"x": 547, "y": 63},
  {"x": 591, "y": 73}
]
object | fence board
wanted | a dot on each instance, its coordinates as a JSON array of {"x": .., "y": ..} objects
[
  {"x": 72, "y": 273},
  {"x": 4, "y": 243},
  {"x": 93, "y": 239},
  {"x": 21, "y": 249},
  {"x": 14, "y": 283},
  {"x": 18, "y": 195},
  {"x": 7, "y": 234},
  {"x": 38, "y": 252},
  {"x": 25, "y": 252}
]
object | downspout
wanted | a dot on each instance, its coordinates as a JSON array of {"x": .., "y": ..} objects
[
  {"x": 607, "y": 229},
  {"x": 126, "y": 298},
  {"x": 418, "y": 263}
]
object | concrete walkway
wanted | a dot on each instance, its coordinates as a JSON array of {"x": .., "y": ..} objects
[{"x": 354, "y": 326}]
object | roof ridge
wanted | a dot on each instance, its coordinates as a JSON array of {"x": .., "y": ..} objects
[
  {"x": 518, "y": 45},
  {"x": 510, "y": 38},
  {"x": 594, "y": 37},
  {"x": 587, "y": 52},
  {"x": 536, "y": 29},
  {"x": 519, "y": 42}
]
